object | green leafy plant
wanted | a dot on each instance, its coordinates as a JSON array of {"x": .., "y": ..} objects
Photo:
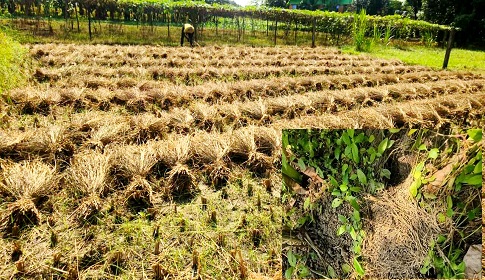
[
  {"x": 388, "y": 34},
  {"x": 428, "y": 38},
  {"x": 12, "y": 60},
  {"x": 352, "y": 163},
  {"x": 453, "y": 187},
  {"x": 297, "y": 266},
  {"x": 361, "y": 42}
]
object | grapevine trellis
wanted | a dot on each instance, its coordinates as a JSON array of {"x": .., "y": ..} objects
[{"x": 334, "y": 27}]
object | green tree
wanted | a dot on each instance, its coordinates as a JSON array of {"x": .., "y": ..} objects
[
  {"x": 372, "y": 7},
  {"x": 394, "y": 5},
  {"x": 277, "y": 3},
  {"x": 309, "y": 5},
  {"x": 469, "y": 16},
  {"x": 416, "y": 5}
]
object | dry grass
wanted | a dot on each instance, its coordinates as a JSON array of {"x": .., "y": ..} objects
[
  {"x": 140, "y": 134},
  {"x": 401, "y": 235},
  {"x": 28, "y": 179},
  {"x": 27, "y": 183},
  {"x": 89, "y": 173}
]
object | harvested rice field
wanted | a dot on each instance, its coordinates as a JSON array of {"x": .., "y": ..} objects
[{"x": 154, "y": 162}]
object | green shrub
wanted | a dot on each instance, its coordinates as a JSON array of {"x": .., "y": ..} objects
[
  {"x": 359, "y": 31},
  {"x": 12, "y": 63}
]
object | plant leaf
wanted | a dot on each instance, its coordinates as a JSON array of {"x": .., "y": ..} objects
[
  {"x": 413, "y": 189},
  {"x": 306, "y": 204},
  {"x": 336, "y": 202},
  {"x": 288, "y": 170},
  {"x": 355, "y": 189},
  {"x": 424, "y": 270},
  {"x": 346, "y": 268},
  {"x": 301, "y": 164},
  {"x": 449, "y": 202},
  {"x": 473, "y": 180},
  {"x": 362, "y": 177},
  {"x": 386, "y": 173},
  {"x": 382, "y": 146},
  {"x": 353, "y": 202},
  {"x": 412, "y": 131},
  {"x": 359, "y": 138},
  {"x": 342, "y": 219},
  {"x": 353, "y": 234},
  {"x": 433, "y": 153},
  {"x": 291, "y": 258},
  {"x": 304, "y": 272},
  {"x": 356, "y": 216},
  {"x": 336, "y": 192},
  {"x": 355, "y": 153},
  {"x": 331, "y": 272},
  {"x": 441, "y": 218},
  {"x": 337, "y": 153},
  {"x": 341, "y": 230},
  {"x": 441, "y": 238},
  {"x": 333, "y": 181},
  {"x": 346, "y": 139},
  {"x": 478, "y": 168},
  {"x": 289, "y": 272},
  {"x": 358, "y": 268},
  {"x": 475, "y": 134}
]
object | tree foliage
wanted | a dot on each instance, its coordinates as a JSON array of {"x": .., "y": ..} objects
[
  {"x": 277, "y": 3},
  {"x": 416, "y": 5},
  {"x": 469, "y": 16}
]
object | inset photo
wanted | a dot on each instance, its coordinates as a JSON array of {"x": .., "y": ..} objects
[{"x": 393, "y": 204}]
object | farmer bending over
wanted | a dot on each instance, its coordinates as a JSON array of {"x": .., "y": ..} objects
[{"x": 187, "y": 32}]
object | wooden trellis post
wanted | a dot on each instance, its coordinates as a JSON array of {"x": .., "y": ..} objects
[
  {"x": 313, "y": 32},
  {"x": 451, "y": 37},
  {"x": 275, "y": 30}
]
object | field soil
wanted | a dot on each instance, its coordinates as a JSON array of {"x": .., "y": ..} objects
[{"x": 153, "y": 162}]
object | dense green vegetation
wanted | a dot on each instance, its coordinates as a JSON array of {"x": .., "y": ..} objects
[
  {"x": 336, "y": 25},
  {"x": 352, "y": 162},
  {"x": 12, "y": 56}
]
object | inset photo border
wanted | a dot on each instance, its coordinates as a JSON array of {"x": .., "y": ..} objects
[{"x": 397, "y": 203}]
